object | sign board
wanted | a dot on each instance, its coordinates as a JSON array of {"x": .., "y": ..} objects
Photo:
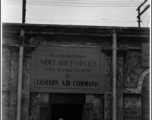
[
  {"x": 67, "y": 70},
  {"x": 131, "y": 114},
  {"x": 145, "y": 54}
]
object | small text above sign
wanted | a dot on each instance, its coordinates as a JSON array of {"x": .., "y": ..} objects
[{"x": 67, "y": 69}]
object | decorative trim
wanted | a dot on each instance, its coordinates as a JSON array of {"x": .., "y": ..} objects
[{"x": 139, "y": 85}]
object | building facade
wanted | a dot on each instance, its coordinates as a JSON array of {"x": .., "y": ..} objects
[{"x": 71, "y": 102}]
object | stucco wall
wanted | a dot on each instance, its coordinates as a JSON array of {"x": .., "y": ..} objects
[{"x": 128, "y": 71}]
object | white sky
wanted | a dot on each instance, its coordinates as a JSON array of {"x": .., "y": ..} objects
[{"x": 76, "y": 12}]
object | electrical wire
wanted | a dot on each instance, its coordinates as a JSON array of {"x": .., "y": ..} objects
[
  {"x": 148, "y": 21},
  {"x": 73, "y": 5},
  {"x": 142, "y": 23},
  {"x": 79, "y": 21},
  {"x": 91, "y": 0},
  {"x": 78, "y": 4},
  {"x": 69, "y": 1},
  {"x": 85, "y": 3}
]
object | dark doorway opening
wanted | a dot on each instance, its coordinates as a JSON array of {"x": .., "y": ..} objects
[{"x": 66, "y": 111}]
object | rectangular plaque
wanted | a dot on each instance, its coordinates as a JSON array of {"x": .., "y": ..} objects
[
  {"x": 145, "y": 54},
  {"x": 67, "y": 70},
  {"x": 131, "y": 114}
]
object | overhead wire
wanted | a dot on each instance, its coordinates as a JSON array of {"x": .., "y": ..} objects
[
  {"x": 82, "y": 4},
  {"x": 148, "y": 21},
  {"x": 91, "y": 0},
  {"x": 79, "y": 5},
  {"x": 67, "y": 2},
  {"x": 86, "y": 2},
  {"x": 142, "y": 23},
  {"x": 74, "y": 5},
  {"x": 80, "y": 21},
  {"x": 112, "y": 3}
]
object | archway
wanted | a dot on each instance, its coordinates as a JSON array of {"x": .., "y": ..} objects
[{"x": 145, "y": 102}]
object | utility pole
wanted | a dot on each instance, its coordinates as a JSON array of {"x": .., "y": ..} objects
[
  {"x": 140, "y": 13},
  {"x": 23, "y": 11},
  {"x": 20, "y": 74}
]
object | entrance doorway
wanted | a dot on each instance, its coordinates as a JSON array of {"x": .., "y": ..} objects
[
  {"x": 67, "y": 111},
  {"x": 66, "y": 106}
]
